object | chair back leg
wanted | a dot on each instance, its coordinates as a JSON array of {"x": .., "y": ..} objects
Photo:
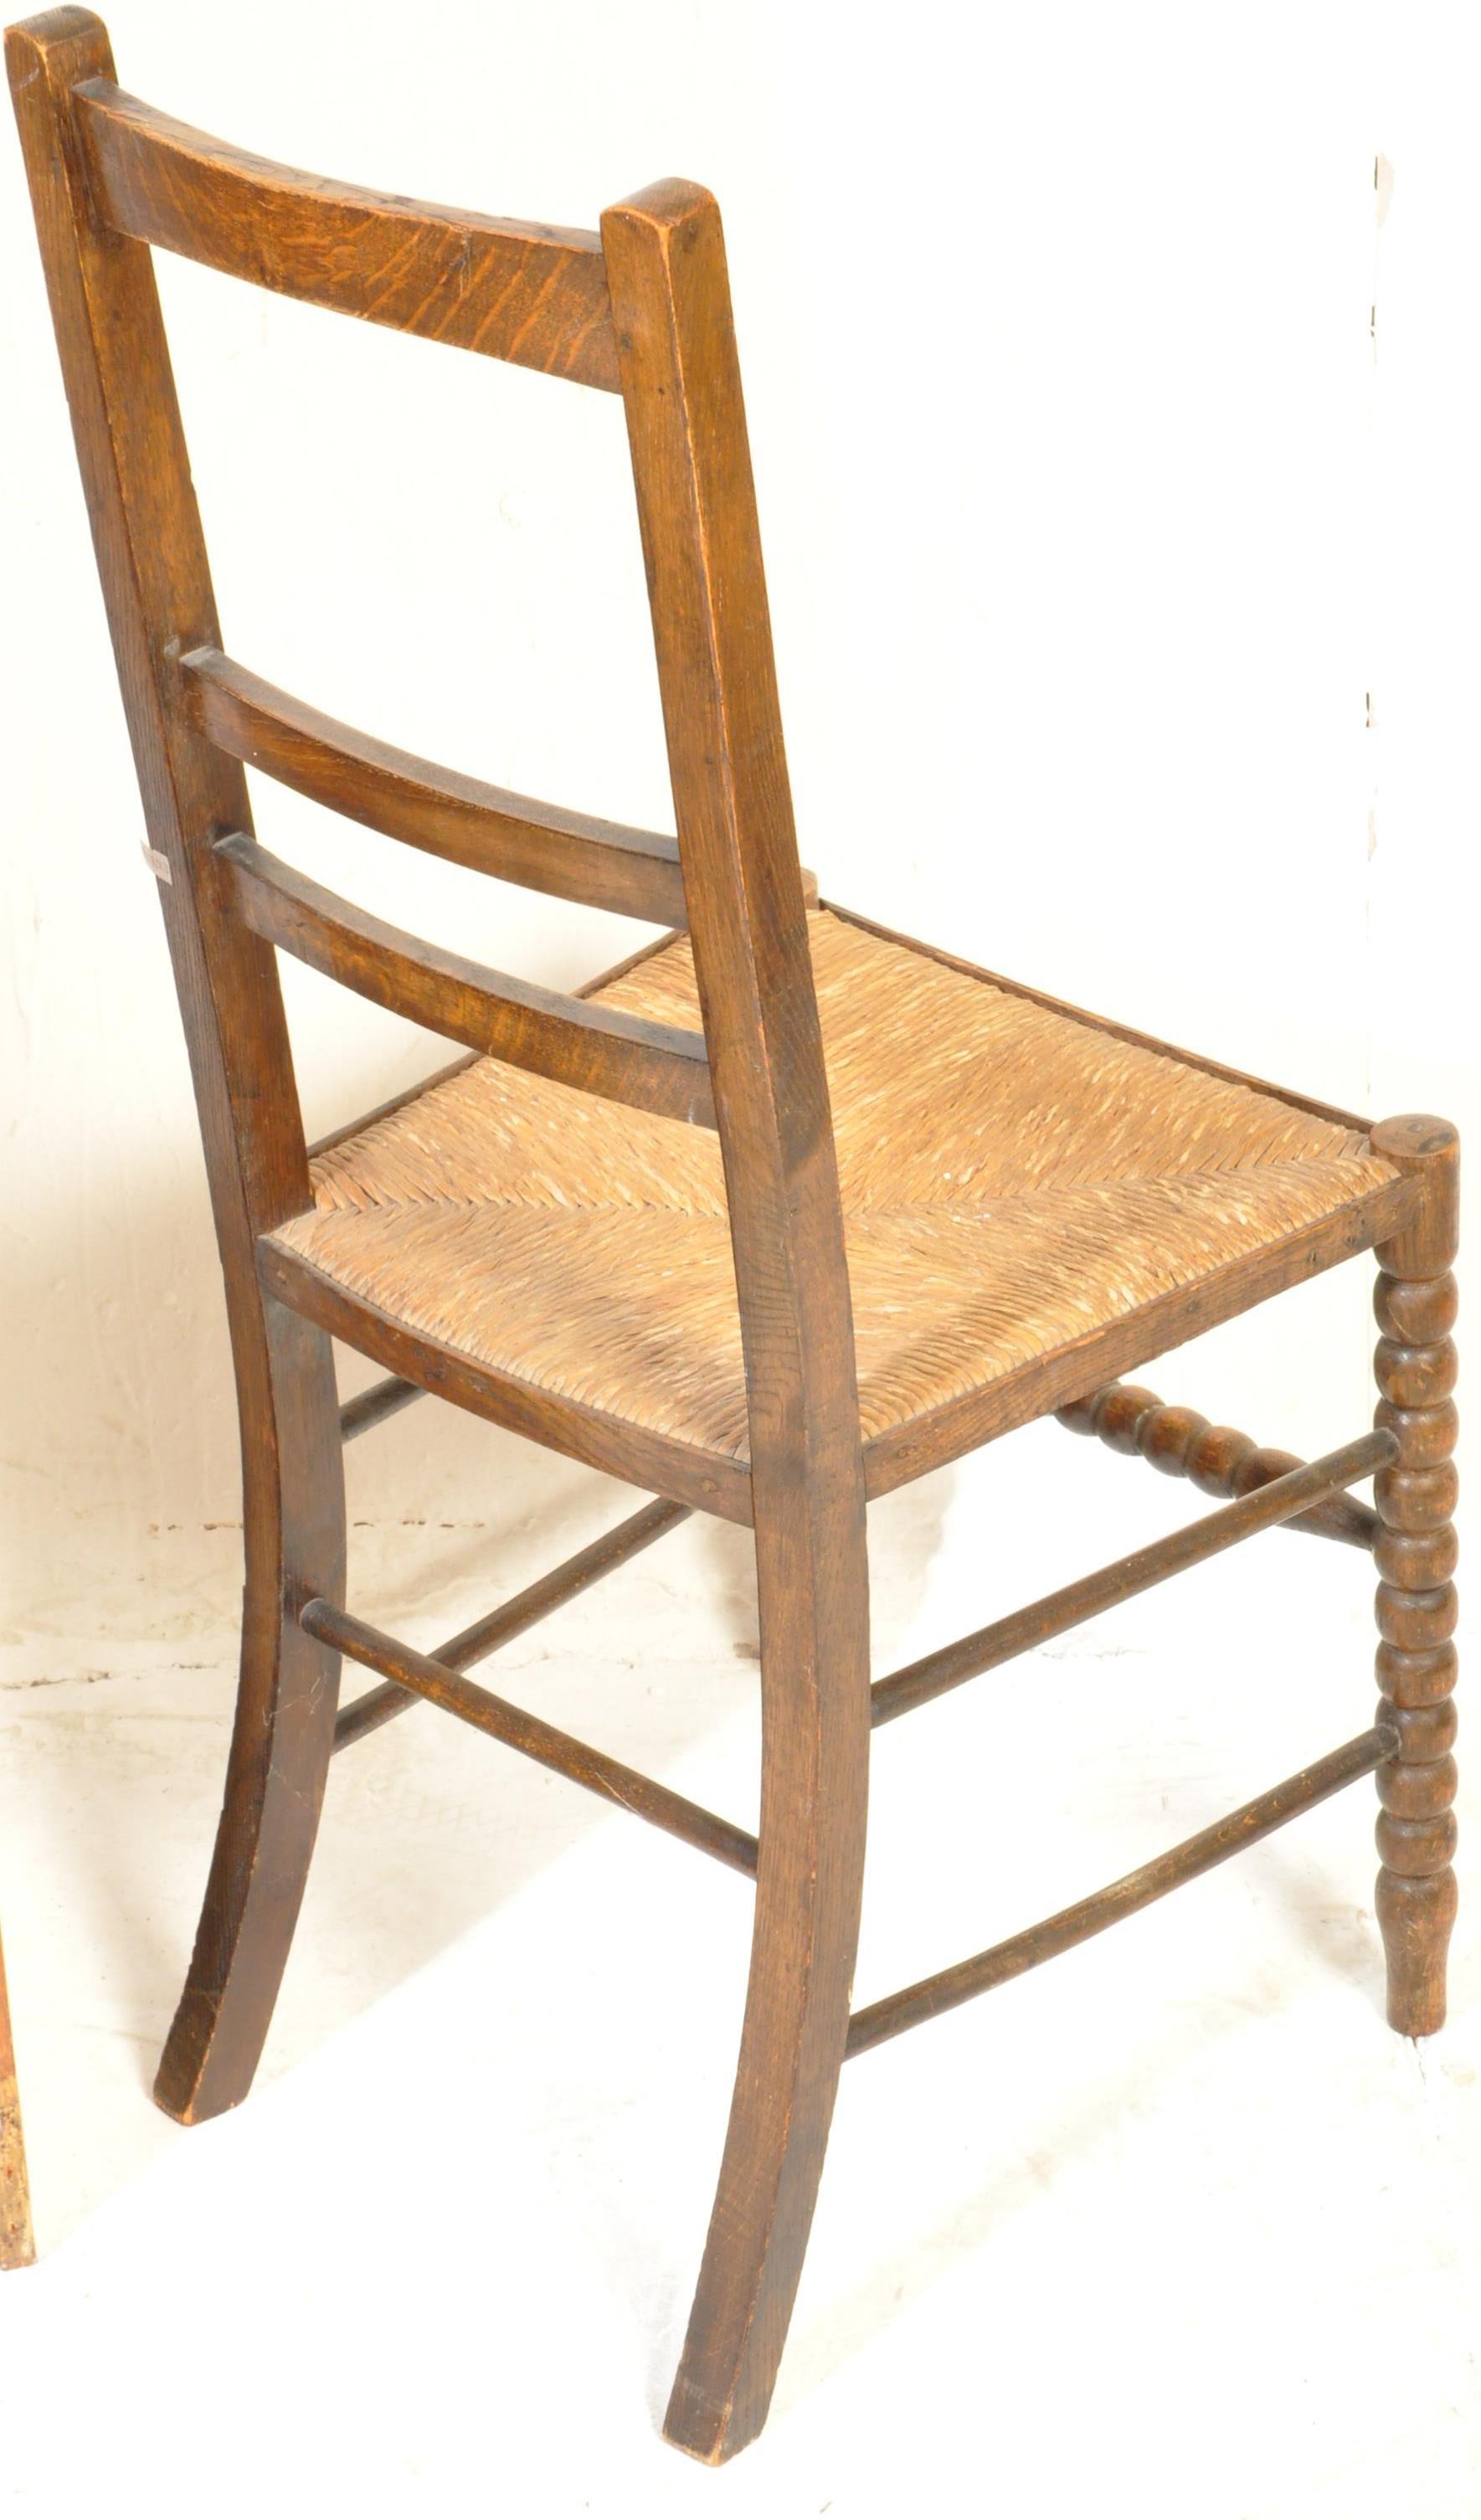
[
  {"x": 814, "y": 1714},
  {"x": 294, "y": 1487}
]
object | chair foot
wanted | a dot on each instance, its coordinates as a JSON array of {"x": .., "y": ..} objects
[
  {"x": 1415, "y": 1918},
  {"x": 758, "y": 2236},
  {"x": 1416, "y": 1557},
  {"x": 693, "y": 2425},
  {"x": 275, "y": 1787},
  {"x": 282, "y": 1740}
]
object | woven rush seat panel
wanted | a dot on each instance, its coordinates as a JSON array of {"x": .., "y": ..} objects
[{"x": 1011, "y": 1179}]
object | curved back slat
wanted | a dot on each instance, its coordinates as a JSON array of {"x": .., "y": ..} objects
[
  {"x": 599, "y": 1049},
  {"x": 534, "y": 295},
  {"x": 489, "y": 829}
]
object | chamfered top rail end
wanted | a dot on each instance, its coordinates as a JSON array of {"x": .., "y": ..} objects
[
  {"x": 31, "y": 39},
  {"x": 667, "y": 203}
]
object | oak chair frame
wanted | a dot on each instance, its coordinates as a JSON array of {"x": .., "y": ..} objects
[
  {"x": 17, "y": 2248},
  {"x": 644, "y": 311}
]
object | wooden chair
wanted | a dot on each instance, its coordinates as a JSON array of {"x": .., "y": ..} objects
[
  {"x": 783, "y": 1213},
  {"x": 17, "y": 2247}
]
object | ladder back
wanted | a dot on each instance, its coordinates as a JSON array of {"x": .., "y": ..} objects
[{"x": 641, "y": 311}]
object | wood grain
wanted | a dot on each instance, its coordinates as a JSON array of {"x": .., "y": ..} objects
[
  {"x": 491, "y": 830},
  {"x": 18, "y": 2247},
  {"x": 646, "y": 311},
  {"x": 702, "y": 543},
  {"x": 598, "y": 1050},
  {"x": 534, "y": 295},
  {"x": 711, "y": 1482},
  {"x": 156, "y": 588},
  {"x": 1417, "y": 1606},
  {"x": 1218, "y": 1459}
]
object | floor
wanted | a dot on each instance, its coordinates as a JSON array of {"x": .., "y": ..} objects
[{"x": 1175, "y": 2225}]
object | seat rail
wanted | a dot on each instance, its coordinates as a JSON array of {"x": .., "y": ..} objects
[{"x": 713, "y": 1482}]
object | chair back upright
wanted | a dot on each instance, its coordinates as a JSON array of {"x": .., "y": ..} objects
[{"x": 643, "y": 310}]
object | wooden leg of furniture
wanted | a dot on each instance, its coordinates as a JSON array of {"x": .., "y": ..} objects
[
  {"x": 814, "y": 1797},
  {"x": 1416, "y": 1557},
  {"x": 17, "y": 2247},
  {"x": 294, "y": 1486}
]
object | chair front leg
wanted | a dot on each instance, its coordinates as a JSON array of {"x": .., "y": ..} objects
[
  {"x": 1416, "y": 1557},
  {"x": 293, "y": 1522},
  {"x": 814, "y": 1799}
]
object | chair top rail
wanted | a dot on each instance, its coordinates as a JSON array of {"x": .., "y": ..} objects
[
  {"x": 598, "y": 1049},
  {"x": 511, "y": 290},
  {"x": 546, "y": 847}
]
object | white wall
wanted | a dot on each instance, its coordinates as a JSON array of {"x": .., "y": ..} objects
[{"x": 1091, "y": 519}]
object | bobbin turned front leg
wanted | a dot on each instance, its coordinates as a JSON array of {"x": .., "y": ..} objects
[{"x": 1414, "y": 1364}]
